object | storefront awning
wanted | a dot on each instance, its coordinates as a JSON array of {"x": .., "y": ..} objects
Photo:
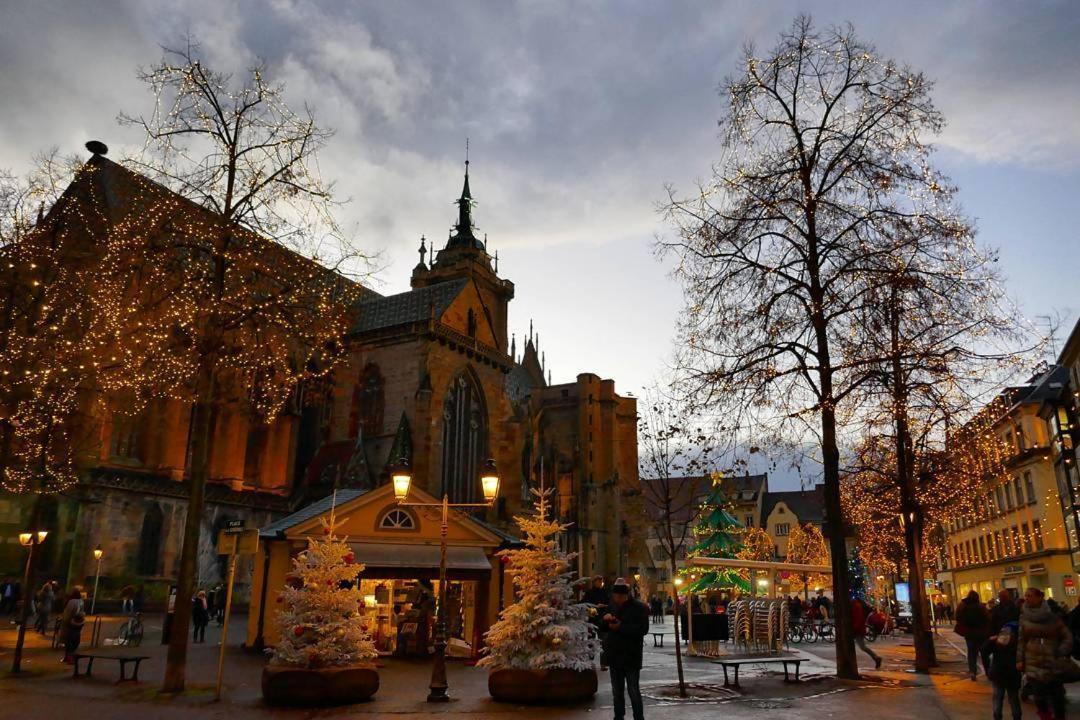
[{"x": 401, "y": 556}]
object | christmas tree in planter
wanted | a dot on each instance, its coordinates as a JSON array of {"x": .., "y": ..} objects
[
  {"x": 324, "y": 651},
  {"x": 541, "y": 649},
  {"x": 717, "y": 535}
]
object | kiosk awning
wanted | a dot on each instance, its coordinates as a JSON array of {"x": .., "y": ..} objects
[{"x": 399, "y": 556}]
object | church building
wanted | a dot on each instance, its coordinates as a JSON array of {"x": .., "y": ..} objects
[{"x": 432, "y": 376}]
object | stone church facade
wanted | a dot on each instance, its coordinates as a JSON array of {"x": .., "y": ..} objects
[{"x": 432, "y": 376}]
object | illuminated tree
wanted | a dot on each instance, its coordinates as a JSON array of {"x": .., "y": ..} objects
[
  {"x": 717, "y": 535},
  {"x": 823, "y": 150},
  {"x": 806, "y": 546},
  {"x": 239, "y": 293},
  {"x": 321, "y": 613},
  {"x": 757, "y": 544},
  {"x": 543, "y": 628}
]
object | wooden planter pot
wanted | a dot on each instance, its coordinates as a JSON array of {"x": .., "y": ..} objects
[
  {"x": 542, "y": 687},
  {"x": 284, "y": 685}
]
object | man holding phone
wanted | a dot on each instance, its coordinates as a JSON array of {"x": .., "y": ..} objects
[{"x": 627, "y": 622}]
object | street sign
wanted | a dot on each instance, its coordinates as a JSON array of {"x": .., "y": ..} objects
[
  {"x": 234, "y": 524},
  {"x": 244, "y": 542}
]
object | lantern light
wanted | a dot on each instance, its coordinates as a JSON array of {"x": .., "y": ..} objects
[
  {"x": 489, "y": 481},
  {"x": 402, "y": 479},
  {"x": 98, "y": 552}
]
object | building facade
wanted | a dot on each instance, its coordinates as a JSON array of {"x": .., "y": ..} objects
[
  {"x": 432, "y": 376},
  {"x": 1014, "y": 537}
]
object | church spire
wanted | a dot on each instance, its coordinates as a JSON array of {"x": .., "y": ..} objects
[{"x": 463, "y": 235}]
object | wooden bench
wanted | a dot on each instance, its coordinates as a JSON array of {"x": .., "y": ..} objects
[
  {"x": 123, "y": 660},
  {"x": 735, "y": 663},
  {"x": 658, "y": 639}
]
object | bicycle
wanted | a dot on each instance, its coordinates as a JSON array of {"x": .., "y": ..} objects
[
  {"x": 827, "y": 632},
  {"x": 131, "y": 632}
]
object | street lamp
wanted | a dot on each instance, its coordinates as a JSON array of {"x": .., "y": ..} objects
[
  {"x": 98, "y": 552},
  {"x": 27, "y": 540},
  {"x": 401, "y": 477}
]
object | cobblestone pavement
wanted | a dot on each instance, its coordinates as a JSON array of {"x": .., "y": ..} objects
[{"x": 48, "y": 691}]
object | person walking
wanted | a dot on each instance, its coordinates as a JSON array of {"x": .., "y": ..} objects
[
  {"x": 1044, "y": 644},
  {"x": 71, "y": 624},
  {"x": 200, "y": 616},
  {"x": 999, "y": 662},
  {"x": 972, "y": 624},
  {"x": 627, "y": 622},
  {"x": 127, "y": 600},
  {"x": 858, "y": 628},
  {"x": 45, "y": 599}
]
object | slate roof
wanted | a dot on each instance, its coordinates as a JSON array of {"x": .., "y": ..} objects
[
  {"x": 407, "y": 307},
  {"x": 278, "y": 527},
  {"x": 744, "y": 488},
  {"x": 808, "y": 505}
]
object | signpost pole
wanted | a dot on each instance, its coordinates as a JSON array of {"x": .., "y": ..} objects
[{"x": 234, "y": 541}]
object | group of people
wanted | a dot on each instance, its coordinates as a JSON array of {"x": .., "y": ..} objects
[
  {"x": 1025, "y": 645},
  {"x": 818, "y": 607}
]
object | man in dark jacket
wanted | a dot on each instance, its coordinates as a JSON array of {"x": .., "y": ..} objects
[
  {"x": 627, "y": 621},
  {"x": 973, "y": 624},
  {"x": 1006, "y": 611}
]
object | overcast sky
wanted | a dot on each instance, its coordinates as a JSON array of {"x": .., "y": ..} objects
[{"x": 577, "y": 114}]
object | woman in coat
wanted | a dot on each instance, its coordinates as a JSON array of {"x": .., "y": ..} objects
[
  {"x": 1044, "y": 642},
  {"x": 200, "y": 616},
  {"x": 71, "y": 624}
]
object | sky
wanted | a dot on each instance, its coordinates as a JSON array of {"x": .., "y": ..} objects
[{"x": 577, "y": 114}]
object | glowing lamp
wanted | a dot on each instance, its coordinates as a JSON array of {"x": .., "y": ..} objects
[
  {"x": 25, "y": 538},
  {"x": 489, "y": 481},
  {"x": 678, "y": 582},
  {"x": 402, "y": 479},
  {"x": 98, "y": 552},
  {"x": 762, "y": 582},
  {"x": 370, "y": 600}
]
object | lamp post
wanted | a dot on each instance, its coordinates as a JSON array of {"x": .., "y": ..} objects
[
  {"x": 28, "y": 540},
  {"x": 402, "y": 481},
  {"x": 97, "y": 576}
]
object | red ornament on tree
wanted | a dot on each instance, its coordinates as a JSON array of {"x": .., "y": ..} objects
[
  {"x": 298, "y": 630},
  {"x": 350, "y": 559}
]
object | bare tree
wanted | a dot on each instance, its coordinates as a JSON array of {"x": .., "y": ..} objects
[
  {"x": 822, "y": 148},
  {"x": 243, "y": 294},
  {"x": 674, "y": 470},
  {"x": 945, "y": 334}
]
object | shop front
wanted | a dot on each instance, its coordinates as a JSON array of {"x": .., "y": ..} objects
[
  {"x": 399, "y": 549},
  {"x": 1051, "y": 573}
]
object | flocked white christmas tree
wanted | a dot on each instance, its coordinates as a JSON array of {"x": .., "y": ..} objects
[
  {"x": 321, "y": 616},
  {"x": 544, "y": 628}
]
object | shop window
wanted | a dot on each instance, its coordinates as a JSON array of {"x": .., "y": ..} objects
[
  {"x": 397, "y": 519},
  {"x": 146, "y": 561},
  {"x": 464, "y": 439}
]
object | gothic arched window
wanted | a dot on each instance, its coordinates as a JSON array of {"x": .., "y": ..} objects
[
  {"x": 367, "y": 404},
  {"x": 149, "y": 557},
  {"x": 464, "y": 439}
]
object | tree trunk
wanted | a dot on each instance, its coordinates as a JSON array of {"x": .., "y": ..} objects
[
  {"x": 678, "y": 640},
  {"x": 911, "y": 514},
  {"x": 202, "y": 427},
  {"x": 846, "y": 665},
  {"x": 29, "y": 575}
]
